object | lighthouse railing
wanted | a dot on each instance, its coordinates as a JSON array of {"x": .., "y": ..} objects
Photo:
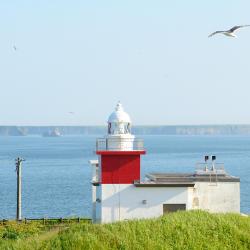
[{"x": 116, "y": 144}]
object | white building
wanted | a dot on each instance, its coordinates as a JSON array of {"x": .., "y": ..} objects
[{"x": 118, "y": 193}]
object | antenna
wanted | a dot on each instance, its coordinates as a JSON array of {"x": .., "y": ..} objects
[
  {"x": 206, "y": 159},
  {"x": 213, "y": 162}
]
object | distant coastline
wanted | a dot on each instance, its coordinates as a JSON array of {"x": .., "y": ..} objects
[{"x": 142, "y": 130}]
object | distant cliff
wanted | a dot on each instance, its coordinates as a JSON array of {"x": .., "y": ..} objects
[
  {"x": 11, "y": 131},
  {"x": 143, "y": 130},
  {"x": 194, "y": 130}
]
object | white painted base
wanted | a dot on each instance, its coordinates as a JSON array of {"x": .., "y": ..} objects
[
  {"x": 117, "y": 202},
  {"x": 125, "y": 201}
]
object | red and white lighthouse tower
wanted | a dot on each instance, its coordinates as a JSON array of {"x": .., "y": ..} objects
[{"x": 118, "y": 166}]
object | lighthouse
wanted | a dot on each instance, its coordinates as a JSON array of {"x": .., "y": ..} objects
[
  {"x": 119, "y": 151},
  {"x": 120, "y": 193},
  {"x": 118, "y": 166}
]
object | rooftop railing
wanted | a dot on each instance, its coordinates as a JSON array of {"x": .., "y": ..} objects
[
  {"x": 119, "y": 144},
  {"x": 210, "y": 167}
]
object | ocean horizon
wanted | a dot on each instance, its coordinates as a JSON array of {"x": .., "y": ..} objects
[{"x": 56, "y": 175}]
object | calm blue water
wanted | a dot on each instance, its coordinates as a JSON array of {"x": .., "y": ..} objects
[{"x": 56, "y": 174}]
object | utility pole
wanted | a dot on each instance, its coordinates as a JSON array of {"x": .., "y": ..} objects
[{"x": 19, "y": 189}]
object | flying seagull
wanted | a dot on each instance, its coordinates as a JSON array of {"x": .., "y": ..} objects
[{"x": 230, "y": 32}]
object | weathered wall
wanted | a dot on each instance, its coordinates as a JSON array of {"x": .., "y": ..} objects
[
  {"x": 217, "y": 197},
  {"x": 125, "y": 201}
]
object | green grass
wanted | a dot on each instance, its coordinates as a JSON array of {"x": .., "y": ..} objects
[{"x": 181, "y": 230}]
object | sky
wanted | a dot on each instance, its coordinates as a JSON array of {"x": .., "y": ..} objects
[{"x": 153, "y": 56}]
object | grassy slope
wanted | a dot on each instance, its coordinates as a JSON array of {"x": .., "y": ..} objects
[{"x": 181, "y": 230}]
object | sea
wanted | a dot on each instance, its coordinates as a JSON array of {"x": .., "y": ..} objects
[{"x": 56, "y": 175}]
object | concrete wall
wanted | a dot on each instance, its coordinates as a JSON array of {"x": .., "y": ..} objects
[
  {"x": 97, "y": 209},
  {"x": 217, "y": 197},
  {"x": 125, "y": 201}
]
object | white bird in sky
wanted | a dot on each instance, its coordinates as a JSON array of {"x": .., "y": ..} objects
[{"x": 230, "y": 32}]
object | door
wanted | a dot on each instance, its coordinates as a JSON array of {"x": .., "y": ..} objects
[{"x": 169, "y": 208}]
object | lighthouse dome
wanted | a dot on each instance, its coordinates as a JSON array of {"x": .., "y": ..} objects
[
  {"x": 119, "y": 122},
  {"x": 119, "y": 115}
]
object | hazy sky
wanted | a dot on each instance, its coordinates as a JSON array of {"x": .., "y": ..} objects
[{"x": 153, "y": 56}]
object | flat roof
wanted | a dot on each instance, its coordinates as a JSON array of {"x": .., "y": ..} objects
[
  {"x": 184, "y": 179},
  {"x": 192, "y": 177},
  {"x": 163, "y": 184}
]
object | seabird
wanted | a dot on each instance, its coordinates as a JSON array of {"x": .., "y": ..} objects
[{"x": 230, "y": 32}]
